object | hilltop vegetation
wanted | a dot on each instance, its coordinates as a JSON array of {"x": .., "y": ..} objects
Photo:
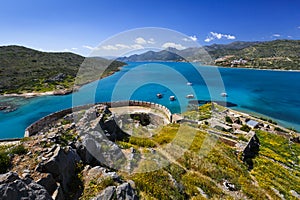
[
  {"x": 179, "y": 161},
  {"x": 27, "y": 70}
]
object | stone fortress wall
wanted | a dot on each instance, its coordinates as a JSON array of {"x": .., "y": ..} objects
[{"x": 40, "y": 124}]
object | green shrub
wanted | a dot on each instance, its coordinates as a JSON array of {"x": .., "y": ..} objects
[
  {"x": 192, "y": 181},
  {"x": 156, "y": 184},
  {"x": 272, "y": 122},
  {"x": 4, "y": 162},
  {"x": 95, "y": 186},
  {"x": 279, "y": 129},
  {"x": 142, "y": 142},
  {"x": 19, "y": 150},
  {"x": 228, "y": 120},
  {"x": 242, "y": 138},
  {"x": 245, "y": 128},
  {"x": 124, "y": 145}
]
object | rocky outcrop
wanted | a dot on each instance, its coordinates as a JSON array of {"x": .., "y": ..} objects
[
  {"x": 295, "y": 139},
  {"x": 121, "y": 192},
  {"x": 57, "y": 78},
  {"x": 250, "y": 151},
  {"x": 62, "y": 166},
  {"x": 108, "y": 194},
  {"x": 105, "y": 151},
  {"x": 101, "y": 172},
  {"x": 49, "y": 183},
  {"x": 125, "y": 191},
  {"x": 13, "y": 187}
]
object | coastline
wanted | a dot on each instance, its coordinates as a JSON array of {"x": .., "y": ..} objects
[
  {"x": 250, "y": 68},
  {"x": 29, "y": 94},
  {"x": 56, "y": 92},
  {"x": 256, "y": 117}
]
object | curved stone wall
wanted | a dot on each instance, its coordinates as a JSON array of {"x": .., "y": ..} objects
[{"x": 45, "y": 121}]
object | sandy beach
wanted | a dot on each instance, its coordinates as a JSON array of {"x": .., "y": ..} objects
[{"x": 29, "y": 94}]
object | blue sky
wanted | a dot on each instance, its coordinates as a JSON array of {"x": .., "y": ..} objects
[{"x": 76, "y": 25}]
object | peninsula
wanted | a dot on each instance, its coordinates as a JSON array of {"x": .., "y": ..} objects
[{"x": 28, "y": 72}]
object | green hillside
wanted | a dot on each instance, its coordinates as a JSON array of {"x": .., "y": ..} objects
[
  {"x": 278, "y": 54},
  {"x": 27, "y": 70}
]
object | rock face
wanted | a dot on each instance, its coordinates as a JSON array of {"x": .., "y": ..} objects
[
  {"x": 61, "y": 166},
  {"x": 125, "y": 191},
  {"x": 108, "y": 194},
  {"x": 122, "y": 192},
  {"x": 61, "y": 155},
  {"x": 99, "y": 118},
  {"x": 12, "y": 187},
  {"x": 251, "y": 151},
  {"x": 48, "y": 183},
  {"x": 105, "y": 151}
]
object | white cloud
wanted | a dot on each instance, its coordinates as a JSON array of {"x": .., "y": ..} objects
[
  {"x": 208, "y": 39},
  {"x": 214, "y": 35},
  {"x": 90, "y": 48},
  {"x": 193, "y": 38},
  {"x": 276, "y": 35},
  {"x": 190, "y": 38},
  {"x": 110, "y": 47},
  {"x": 173, "y": 45},
  {"x": 298, "y": 27},
  {"x": 74, "y": 48},
  {"x": 137, "y": 46},
  {"x": 140, "y": 40},
  {"x": 230, "y": 37},
  {"x": 290, "y": 36},
  {"x": 151, "y": 41},
  {"x": 114, "y": 47},
  {"x": 122, "y": 46}
]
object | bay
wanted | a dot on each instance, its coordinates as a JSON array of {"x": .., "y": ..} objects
[{"x": 273, "y": 94}]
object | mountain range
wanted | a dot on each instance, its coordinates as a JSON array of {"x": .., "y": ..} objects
[{"x": 277, "y": 54}]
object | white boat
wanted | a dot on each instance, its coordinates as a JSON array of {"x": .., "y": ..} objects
[
  {"x": 189, "y": 83},
  {"x": 172, "y": 98},
  {"x": 159, "y": 95},
  {"x": 190, "y": 96},
  {"x": 224, "y": 94}
]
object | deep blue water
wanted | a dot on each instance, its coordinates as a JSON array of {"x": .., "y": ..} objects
[{"x": 268, "y": 93}]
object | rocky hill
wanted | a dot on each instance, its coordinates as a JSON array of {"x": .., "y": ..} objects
[
  {"x": 27, "y": 70},
  {"x": 277, "y": 54},
  {"x": 164, "y": 55},
  {"x": 73, "y": 158}
]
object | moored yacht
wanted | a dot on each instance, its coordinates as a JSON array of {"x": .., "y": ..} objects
[
  {"x": 190, "y": 96},
  {"x": 172, "y": 98},
  {"x": 224, "y": 94}
]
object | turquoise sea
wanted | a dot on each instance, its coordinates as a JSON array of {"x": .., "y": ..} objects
[{"x": 275, "y": 94}]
